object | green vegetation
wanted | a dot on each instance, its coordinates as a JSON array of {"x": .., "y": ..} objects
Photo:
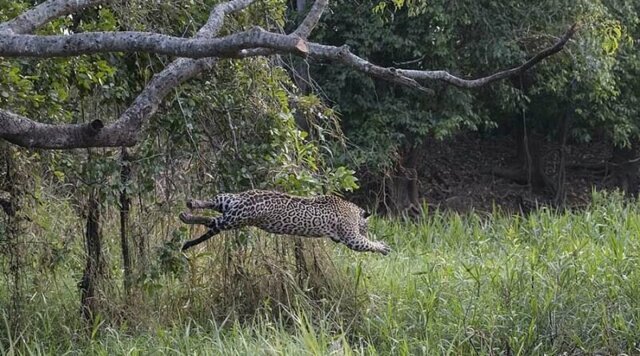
[
  {"x": 578, "y": 94},
  {"x": 89, "y": 239},
  {"x": 550, "y": 282}
]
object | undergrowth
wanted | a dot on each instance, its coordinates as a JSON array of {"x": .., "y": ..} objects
[{"x": 546, "y": 283}]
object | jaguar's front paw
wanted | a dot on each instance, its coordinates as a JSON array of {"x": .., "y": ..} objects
[{"x": 384, "y": 249}]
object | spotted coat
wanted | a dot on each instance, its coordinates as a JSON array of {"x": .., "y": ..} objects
[{"x": 279, "y": 213}]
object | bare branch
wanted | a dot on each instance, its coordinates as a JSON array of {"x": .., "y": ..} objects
[
  {"x": 103, "y": 42},
  {"x": 303, "y": 31},
  {"x": 403, "y": 77},
  {"x": 255, "y": 42},
  {"x": 123, "y": 132},
  {"x": 32, "y": 19},
  {"x": 147, "y": 102},
  {"x": 344, "y": 56},
  {"x": 479, "y": 82},
  {"x": 28, "y": 133},
  {"x": 216, "y": 17},
  {"x": 311, "y": 20}
]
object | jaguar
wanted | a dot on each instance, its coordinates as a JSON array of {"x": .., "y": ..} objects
[{"x": 281, "y": 213}]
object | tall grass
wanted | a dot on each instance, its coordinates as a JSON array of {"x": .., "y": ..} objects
[{"x": 547, "y": 283}]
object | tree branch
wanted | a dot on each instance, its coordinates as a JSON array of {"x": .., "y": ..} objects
[
  {"x": 30, "y": 20},
  {"x": 343, "y": 55},
  {"x": 241, "y": 45},
  {"x": 216, "y": 17},
  {"x": 303, "y": 30},
  {"x": 311, "y": 20},
  {"x": 147, "y": 102},
  {"x": 177, "y": 72},
  {"x": 127, "y": 41},
  {"x": 28, "y": 133},
  {"x": 444, "y": 76}
]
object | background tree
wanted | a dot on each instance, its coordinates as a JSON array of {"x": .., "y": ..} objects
[{"x": 392, "y": 124}]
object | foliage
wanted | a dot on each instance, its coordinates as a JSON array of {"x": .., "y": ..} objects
[
  {"x": 472, "y": 38},
  {"x": 624, "y": 123},
  {"x": 380, "y": 117},
  {"x": 242, "y": 123}
]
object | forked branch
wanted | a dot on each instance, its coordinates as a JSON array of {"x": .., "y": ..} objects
[{"x": 30, "y": 20}]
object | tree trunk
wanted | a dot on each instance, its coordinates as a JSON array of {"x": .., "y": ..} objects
[
  {"x": 530, "y": 169},
  {"x": 301, "y": 262},
  {"x": 139, "y": 239},
  {"x": 402, "y": 189},
  {"x": 624, "y": 165},
  {"x": 92, "y": 271},
  {"x": 300, "y": 74},
  {"x": 12, "y": 248},
  {"x": 529, "y": 151},
  {"x": 125, "y": 175},
  {"x": 561, "y": 172},
  {"x": 532, "y": 163}
]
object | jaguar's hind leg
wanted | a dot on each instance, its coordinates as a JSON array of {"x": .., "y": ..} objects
[
  {"x": 201, "y": 204},
  {"x": 215, "y": 225},
  {"x": 195, "y": 219}
]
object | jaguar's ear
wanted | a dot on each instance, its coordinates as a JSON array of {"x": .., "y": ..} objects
[{"x": 366, "y": 215}]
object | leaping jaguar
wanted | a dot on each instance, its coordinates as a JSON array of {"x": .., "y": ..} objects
[{"x": 280, "y": 213}]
